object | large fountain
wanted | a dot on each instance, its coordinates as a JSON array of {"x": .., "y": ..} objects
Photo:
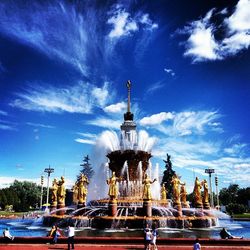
[{"x": 134, "y": 198}]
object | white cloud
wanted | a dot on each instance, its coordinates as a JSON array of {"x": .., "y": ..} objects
[
  {"x": 39, "y": 125},
  {"x": 202, "y": 45},
  {"x": 183, "y": 123},
  {"x": 154, "y": 87},
  {"x": 240, "y": 20},
  {"x": 123, "y": 24},
  {"x": 105, "y": 123},
  {"x": 80, "y": 98},
  {"x": 85, "y": 141},
  {"x": 7, "y": 125},
  {"x": 116, "y": 108},
  {"x": 88, "y": 138},
  {"x": 170, "y": 71},
  {"x": 156, "y": 119}
]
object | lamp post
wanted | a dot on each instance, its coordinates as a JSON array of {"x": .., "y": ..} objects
[
  {"x": 210, "y": 171},
  {"x": 41, "y": 199},
  {"x": 217, "y": 193},
  {"x": 48, "y": 170}
]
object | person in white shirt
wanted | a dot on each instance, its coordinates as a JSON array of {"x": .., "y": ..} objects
[
  {"x": 6, "y": 234},
  {"x": 71, "y": 235}
]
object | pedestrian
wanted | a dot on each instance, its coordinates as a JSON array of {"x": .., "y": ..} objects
[
  {"x": 155, "y": 234},
  {"x": 224, "y": 234},
  {"x": 71, "y": 235},
  {"x": 7, "y": 235},
  {"x": 197, "y": 245},
  {"x": 147, "y": 237}
]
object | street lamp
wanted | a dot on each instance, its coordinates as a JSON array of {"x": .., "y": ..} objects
[
  {"x": 48, "y": 170},
  {"x": 210, "y": 171},
  {"x": 41, "y": 198},
  {"x": 217, "y": 193}
]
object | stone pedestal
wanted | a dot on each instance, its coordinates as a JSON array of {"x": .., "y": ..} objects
[
  {"x": 112, "y": 208},
  {"x": 147, "y": 208},
  {"x": 177, "y": 206},
  {"x": 61, "y": 212}
]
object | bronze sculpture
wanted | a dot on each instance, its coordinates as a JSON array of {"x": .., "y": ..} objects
[
  {"x": 54, "y": 193},
  {"x": 197, "y": 193},
  {"x": 147, "y": 195},
  {"x": 113, "y": 191},
  {"x": 61, "y": 192},
  {"x": 82, "y": 190}
]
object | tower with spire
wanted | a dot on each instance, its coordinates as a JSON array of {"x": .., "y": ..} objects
[{"x": 128, "y": 127}]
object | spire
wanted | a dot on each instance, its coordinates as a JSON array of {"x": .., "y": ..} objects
[
  {"x": 128, "y": 116},
  {"x": 129, "y": 87}
]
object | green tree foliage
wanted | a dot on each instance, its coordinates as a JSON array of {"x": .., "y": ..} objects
[
  {"x": 229, "y": 195},
  {"x": 167, "y": 176},
  {"x": 86, "y": 168},
  {"x": 234, "y": 198},
  {"x": 22, "y": 195}
]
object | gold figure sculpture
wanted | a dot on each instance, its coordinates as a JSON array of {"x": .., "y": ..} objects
[
  {"x": 82, "y": 190},
  {"x": 205, "y": 195},
  {"x": 197, "y": 193},
  {"x": 183, "y": 195},
  {"x": 54, "y": 193},
  {"x": 147, "y": 195},
  {"x": 61, "y": 192},
  {"x": 176, "y": 182},
  {"x": 163, "y": 193},
  {"x": 113, "y": 190},
  {"x": 75, "y": 193}
]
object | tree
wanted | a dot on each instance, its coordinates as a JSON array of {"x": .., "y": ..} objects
[
  {"x": 167, "y": 176},
  {"x": 28, "y": 195},
  {"x": 86, "y": 168},
  {"x": 229, "y": 195}
]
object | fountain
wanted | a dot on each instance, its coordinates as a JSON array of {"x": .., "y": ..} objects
[{"x": 134, "y": 197}]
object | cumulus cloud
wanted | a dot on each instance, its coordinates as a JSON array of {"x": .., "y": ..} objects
[
  {"x": 116, "y": 108},
  {"x": 123, "y": 24},
  {"x": 79, "y": 98},
  {"x": 202, "y": 44},
  {"x": 156, "y": 119}
]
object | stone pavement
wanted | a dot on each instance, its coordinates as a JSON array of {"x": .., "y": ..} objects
[{"x": 110, "y": 247}]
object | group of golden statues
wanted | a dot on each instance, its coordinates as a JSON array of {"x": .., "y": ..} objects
[
  {"x": 179, "y": 191},
  {"x": 80, "y": 190},
  {"x": 58, "y": 192}
]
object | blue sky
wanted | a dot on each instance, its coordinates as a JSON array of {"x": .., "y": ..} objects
[{"x": 63, "y": 72}]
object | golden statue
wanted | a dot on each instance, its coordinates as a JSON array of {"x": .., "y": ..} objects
[
  {"x": 82, "y": 190},
  {"x": 61, "y": 192},
  {"x": 113, "y": 190},
  {"x": 205, "y": 195},
  {"x": 54, "y": 192},
  {"x": 163, "y": 193},
  {"x": 176, "y": 182},
  {"x": 183, "y": 195},
  {"x": 147, "y": 195},
  {"x": 197, "y": 193},
  {"x": 75, "y": 193}
]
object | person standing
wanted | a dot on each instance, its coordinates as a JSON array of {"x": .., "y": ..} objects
[
  {"x": 197, "y": 245},
  {"x": 147, "y": 237},
  {"x": 154, "y": 236},
  {"x": 71, "y": 235}
]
